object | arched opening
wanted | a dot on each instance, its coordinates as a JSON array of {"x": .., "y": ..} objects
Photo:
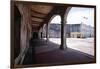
[
  {"x": 55, "y": 29},
  {"x": 17, "y": 25}
]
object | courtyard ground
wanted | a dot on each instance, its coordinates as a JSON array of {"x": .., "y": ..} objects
[{"x": 85, "y": 45}]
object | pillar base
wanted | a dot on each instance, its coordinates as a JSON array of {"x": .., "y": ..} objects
[{"x": 62, "y": 47}]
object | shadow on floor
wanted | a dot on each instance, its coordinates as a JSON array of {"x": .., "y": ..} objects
[{"x": 45, "y": 54}]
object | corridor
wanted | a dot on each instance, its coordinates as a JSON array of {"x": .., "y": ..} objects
[{"x": 50, "y": 54}]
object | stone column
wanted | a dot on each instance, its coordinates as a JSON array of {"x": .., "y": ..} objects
[
  {"x": 63, "y": 34},
  {"x": 39, "y": 34},
  {"x": 42, "y": 32},
  {"x": 47, "y": 32}
]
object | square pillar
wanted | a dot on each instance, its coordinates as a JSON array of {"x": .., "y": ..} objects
[
  {"x": 41, "y": 33},
  {"x": 47, "y": 32},
  {"x": 63, "y": 35}
]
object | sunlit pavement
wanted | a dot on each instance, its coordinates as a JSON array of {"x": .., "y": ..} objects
[{"x": 85, "y": 45}]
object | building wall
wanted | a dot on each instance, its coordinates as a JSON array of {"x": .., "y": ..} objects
[
  {"x": 25, "y": 25},
  {"x": 55, "y": 30},
  {"x": 72, "y": 30},
  {"x": 87, "y": 30},
  {"x": 25, "y": 31},
  {"x": 74, "y": 27}
]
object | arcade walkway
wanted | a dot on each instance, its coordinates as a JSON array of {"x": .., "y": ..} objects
[
  {"x": 50, "y": 54},
  {"x": 29, "y": 21}
]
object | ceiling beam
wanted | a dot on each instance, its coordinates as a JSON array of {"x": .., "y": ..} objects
[
  {"x": 37, "y": 17},
  {"x": 35, "y": 22},
  {"x": 37, "y": 12},
  {"x": 46, "y": 20}
]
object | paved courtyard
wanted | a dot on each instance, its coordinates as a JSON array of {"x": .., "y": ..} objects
[{"x": 85, "y": 45}]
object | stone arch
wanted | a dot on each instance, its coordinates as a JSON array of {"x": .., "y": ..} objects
[
  {"x": 64, "y": 14},
  {"x": 48, "y": 25},
  {"x": 53, "y": 16},
  {"x": 55, "y": 21}
]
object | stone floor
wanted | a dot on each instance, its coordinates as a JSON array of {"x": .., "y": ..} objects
[{"x": 50, "y": 54}]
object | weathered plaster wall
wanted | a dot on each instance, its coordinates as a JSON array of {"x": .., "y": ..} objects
[{"x": 25, "y": 30}]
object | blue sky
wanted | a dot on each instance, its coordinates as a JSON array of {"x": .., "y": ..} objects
[{"x": 78, "y": 15}]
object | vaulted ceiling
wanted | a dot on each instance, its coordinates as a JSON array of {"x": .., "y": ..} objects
[
  {"x": 41, "y": 13},
  {"x": 38, "y": 14}
]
